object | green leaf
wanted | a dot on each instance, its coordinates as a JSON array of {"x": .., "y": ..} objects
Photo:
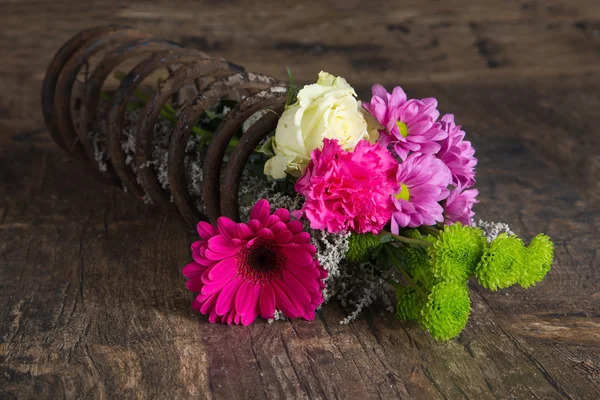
[
  {"x": 105, "y": 96},
  {"x": 292, "y": 92},
  {"x": 210, "y": 114},
  {"x": 119, "y": 75},
  {"x": 266, "y": 148},
  {"x": 385, "y": 238}
]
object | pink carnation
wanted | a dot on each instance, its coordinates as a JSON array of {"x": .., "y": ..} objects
[
  {"x": 423, "y": 180},
  {"x": 349, "y": 191},
  {"x": 457, "y": 153},
  {"x": 409, "y": 125},
  {"x": 244, "y": 270},
  {"x": 459, "y": 206}
]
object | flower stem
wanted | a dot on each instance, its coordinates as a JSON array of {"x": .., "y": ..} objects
[
  {"x": 405, "y": 275},
  {"x": 407, "y": 240},
  {"x": 394, "y": 283},
  {"x": 430, "y": 230}
]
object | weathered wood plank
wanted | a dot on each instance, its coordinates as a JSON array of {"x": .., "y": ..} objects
[{"x": 93, "y": 303}]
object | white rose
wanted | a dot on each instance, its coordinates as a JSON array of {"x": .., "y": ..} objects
[{"x": 327, "y": 109}]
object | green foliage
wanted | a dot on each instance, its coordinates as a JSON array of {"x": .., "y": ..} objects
[
  {"x": 266, "y": 148},
  {"x": 437, "y": 295},
  {"x": 456, "y": 252},
  {"x": 292, "y": 92},
  {"x": 409, "y": 303},
  {"x": 540, "y": 254},
  {"x": 362, "y": 246},
  {"x": 446, "y": 310},
  {"x": 503, "y": 262},
  {"x": 418, "y": 266}
]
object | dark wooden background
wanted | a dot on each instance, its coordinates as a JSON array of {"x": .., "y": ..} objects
[{"x": 92, "y": 302}]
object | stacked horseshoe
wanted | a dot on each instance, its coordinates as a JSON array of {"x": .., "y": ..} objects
[{"x": 70, "y": 112}]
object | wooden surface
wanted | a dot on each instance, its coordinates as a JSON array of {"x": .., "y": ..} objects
[{"x": 92, "y": 302}]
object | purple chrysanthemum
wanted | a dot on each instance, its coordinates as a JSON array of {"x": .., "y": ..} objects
[
  {"x": 423, "y": 180},
  {"x": 409, "y": 125},
  {"x": 459, "y": 206},
  {"x": 457, "y": 153}
]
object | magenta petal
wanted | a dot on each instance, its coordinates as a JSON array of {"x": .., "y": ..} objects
[
  {"x": 243, "y": 231},
  {"x": 283, "y": 214},
  {"x": 222, "y": 268},
  {"x": 211, "y": 287},
  {"x": 295, "y": 226},
  {"x": 302, "y": 237},
  {"x": 193, "y": 269},
  {"x": 265, "y": 233},
  {"x": 226, "y": 228},
  {"x": 296, "y": 256},
  {"x": 225, "y": 300},
  {"x": 296, "y": 287},
  {"x": 230, "y": 317},
  {"x": 194, "y": 285},
  {"x": 250, "y": 316},
  {"x": 206, "y": 230},
  {"x": 283, "y": 236},
  {"x": 267, "y": 302},
  {"x": 219, "y": 244},
  {"x": 379, "y": 91},
  {"x": 253, "y": 311},
  {"x": 244, "y": 298},
  {"x": 213, "y": 317},
  {"x": 214, "y": 256},
  {"x": 311, "y": 284},
  {"x": 309, "y": 315},
  {"x": 254, "y": 225},
  {"x": 261, "y": 212},
  {"x": 284, "y": 303},
  {"x": 208, "y": 304}
]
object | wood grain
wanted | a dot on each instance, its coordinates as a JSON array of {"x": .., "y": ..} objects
[{"x": 93, "y": 303}]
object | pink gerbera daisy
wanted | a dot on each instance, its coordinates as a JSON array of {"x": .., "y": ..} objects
[
  {"x": 244, "y": 270},
  {"x": 459, "y": 206},
  {"x": 457, "y": 153},
  {"x": 409, "y": 124},
  {"x": 423, "y": 180}
]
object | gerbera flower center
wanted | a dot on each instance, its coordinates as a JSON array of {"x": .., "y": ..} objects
[
  {"x": 262, "y": 259},
  {"x": 404, "y": 193},
  {"x": 261, "y": 262},
  {"x": 403, "y": 128}
]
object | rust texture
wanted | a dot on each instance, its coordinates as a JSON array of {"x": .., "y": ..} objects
[{"x": 76, "y": 115}]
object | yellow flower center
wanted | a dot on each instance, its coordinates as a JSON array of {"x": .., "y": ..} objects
[
  {"x": 403, "y": 128},
  {"x": 404, "y": 193}
]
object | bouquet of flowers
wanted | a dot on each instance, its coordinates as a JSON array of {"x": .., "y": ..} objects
[{"x": 350, "y": 200}]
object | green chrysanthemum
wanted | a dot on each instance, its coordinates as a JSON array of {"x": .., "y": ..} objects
[
  {"x": 456, "y": 252},
  {"x": 540, "y": 254},
  {"x": 409, "y": 303},
  {"x": 361, "y": 247},
  {"x": 502, "y": 263},
  {"x": 418, "y": 266},
  {"x": 447, "y": 310}
]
